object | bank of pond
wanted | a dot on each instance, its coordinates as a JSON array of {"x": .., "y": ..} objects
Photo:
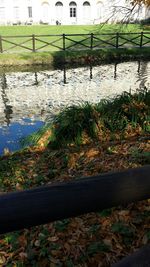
[{"x": 75, "y": 139}]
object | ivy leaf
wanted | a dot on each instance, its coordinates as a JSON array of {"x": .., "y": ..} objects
[
  {"x": 122, "y": 229},
  {"x": 96, "y": 247}
]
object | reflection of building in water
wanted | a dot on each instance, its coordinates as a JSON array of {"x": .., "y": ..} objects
[
  {"x": 7, "y": 107},
  {"x": 35, "y": 95},
  {"x": 3, "y": 81},
  {"x": 143, "y": 73}
]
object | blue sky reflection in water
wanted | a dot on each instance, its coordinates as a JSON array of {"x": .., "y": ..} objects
[{"x": 11, "y": 135}]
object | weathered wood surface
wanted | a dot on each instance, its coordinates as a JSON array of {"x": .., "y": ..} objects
[
  {"x": 140, "y": 258},
  {"x": 63, "y": 200}
]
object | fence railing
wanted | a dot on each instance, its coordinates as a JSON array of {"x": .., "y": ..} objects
[
  {"x": 67, "y": 42},
  {"x": 45, "y": 204}
]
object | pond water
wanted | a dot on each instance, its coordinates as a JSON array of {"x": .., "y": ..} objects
[{"x": 29, "y": 99}]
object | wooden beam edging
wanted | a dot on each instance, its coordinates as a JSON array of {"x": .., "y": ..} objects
[{"x": 48, "y": 203}]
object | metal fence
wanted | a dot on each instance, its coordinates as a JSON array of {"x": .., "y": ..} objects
[{"x": 73, "y": 42}]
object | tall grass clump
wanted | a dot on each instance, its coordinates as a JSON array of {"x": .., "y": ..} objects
[
  {"x": 34, "y": 138},
  {"x": 125, "y": 109},
  {"x": 70, "y": 124},
  {"x": 107, "y": 119},
  {"x": 109, "y": 116}
]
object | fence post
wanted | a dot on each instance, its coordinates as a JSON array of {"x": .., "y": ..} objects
[
  {"x": 141, "y": 40},
  {"x": 33, "y": 43},
  {"x": 1, "y": 47},
  {"x": 91, "y": 41},
  {"x": 117, "y": 40},
  {"x": 64, "y": 45}
]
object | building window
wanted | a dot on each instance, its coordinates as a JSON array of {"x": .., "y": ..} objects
[
  {"x": 73, "y": 12},
  {"x": 73, "y": 9},
  {"x": 86, "y": 10},
  {"x": 2, "y": 2},
  {"x": 30, "y": 11},
  {"x": 59, "y": 11},
  {"x": 86, "y": 4},
  {"x": 45, "y": 11},
  {"x": 59, "y": 4},
  {"x": 16, "y": 12},
  {"x": 99, "y": 10}
]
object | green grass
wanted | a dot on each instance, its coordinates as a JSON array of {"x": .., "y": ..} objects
[
  {"x": 21, "y": 59},
  {"x": 50, "y": 55},
  {"x": 73, "y": 29},
  {"x": 25, "y": 60},
  {"x": 59, "y": 30},
  {"x": 111, "y": 118}
]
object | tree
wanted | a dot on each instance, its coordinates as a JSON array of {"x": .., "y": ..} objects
[{"x": 140, "y": 2}]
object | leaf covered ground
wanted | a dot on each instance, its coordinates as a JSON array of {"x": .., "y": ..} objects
[{"x": 95, "y": 239}]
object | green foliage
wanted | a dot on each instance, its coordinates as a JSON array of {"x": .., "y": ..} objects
[
  {"x": 94, "y": 229},
  {"x": 125, "y": 231},
  {"x": 141, "y": 157},
  {"x": 97, "y": 247},
  {"x": 73, "y": 123},
  {"x": 69, "y": 263},
  {"x": 105, "y": 213},
  {"x": 68, "y": 29},
  {"x": 145, "y": 21},
  {"x": 33, "y": 138},
  {"x": 113, "y": 115},
  {"x": 61, "y": 226},
  {"x": 122, "y": 229},
  {"x": 127, "y": 108},
  {"x": 12, "y": 240},
  {"x": 148, "y": 235}
]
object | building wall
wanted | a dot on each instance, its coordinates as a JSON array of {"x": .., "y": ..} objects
[{"x": 65, "y": 11}]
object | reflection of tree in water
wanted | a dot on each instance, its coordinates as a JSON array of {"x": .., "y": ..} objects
[
  {"x": 64, "y": 74},
  {"x": 142, "y": 73},
  {"x": 115, "y": 71},
  {"x": 91, "y": 73},
  {"x": 8, "y": 108},
  {"x": 141, "y": 78},
  {"x": 36, "y": 79}
]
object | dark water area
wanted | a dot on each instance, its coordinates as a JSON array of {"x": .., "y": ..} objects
[{"x": 28, "y": 99}]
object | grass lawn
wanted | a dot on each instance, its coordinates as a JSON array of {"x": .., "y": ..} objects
[
  {"x": 53, "y": 54},
  {"x": 27, "y": 42},
  {"x": 67, "y": 29}
]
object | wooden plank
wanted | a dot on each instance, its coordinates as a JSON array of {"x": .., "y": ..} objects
[
  {"x": 78, "y": 42},
  {"x": 33, "y": 43},
  {"x": 17, "y": 45},
  {"x": 104, "y": 42},
  {"x": 63, "y": 200},
  {"x": 16, "y": 36},
  {"x": 46, "y": 44},
  {"x": 128, "y": 41},
  {"x": 1, "y": 45}
]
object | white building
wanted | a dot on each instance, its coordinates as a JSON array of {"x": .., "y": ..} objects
[{"x": 65, "y": 11}]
